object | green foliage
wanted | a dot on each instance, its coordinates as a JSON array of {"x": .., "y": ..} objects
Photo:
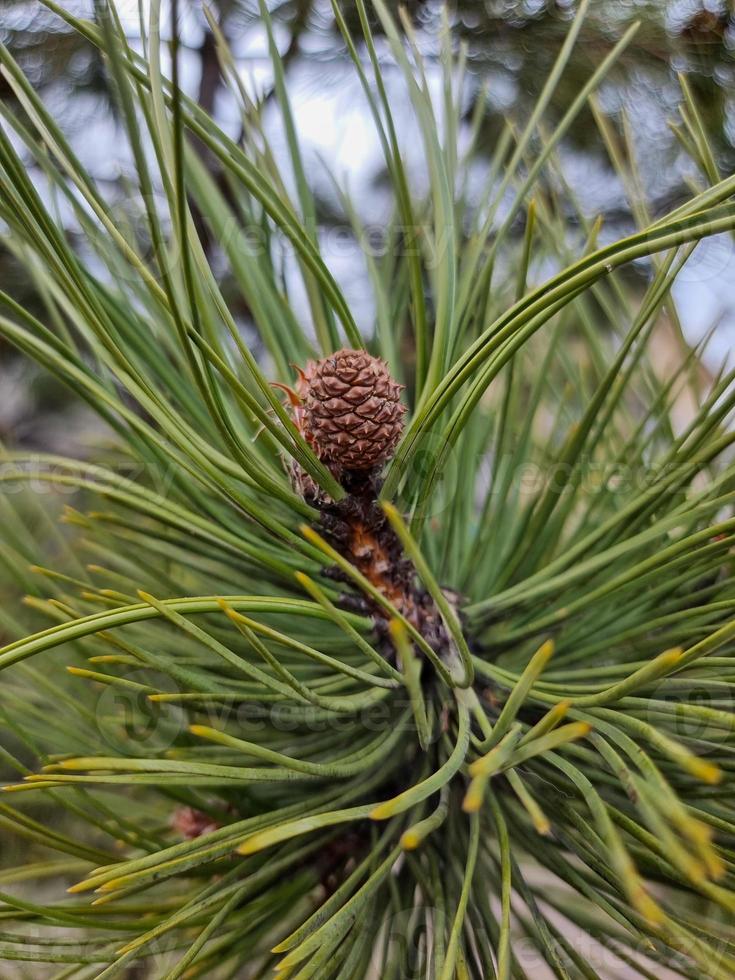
[{"x": 559, "y": 790}]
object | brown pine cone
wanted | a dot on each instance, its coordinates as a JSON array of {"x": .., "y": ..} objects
[{"x": 351, "y": 411}]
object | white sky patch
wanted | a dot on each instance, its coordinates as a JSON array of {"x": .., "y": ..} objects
[{"x": 704, "y": 293}]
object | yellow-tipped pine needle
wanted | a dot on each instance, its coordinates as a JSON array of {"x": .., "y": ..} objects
[
  {"x": 412, "y": 679},
  {"x": 440, "y": 778},
  {"x": 304, "y": 825},
  {"x": 549, "y": 721},
  {"x": 482, "y": 769},
  {"x": 517, "y": 696},
  {"x": 475, "y": 793},
  {"x": 541, "y": 822},
  {"x": 451, "y": 621},
  {"x": 660, "y": 666},
  {"x": 554, "y": 739},
  {"x": 337, "y": 616},
  {"x": 497, "y": 756},
  {"x": 702, "y": 769},
  {"x": 416, "y": 834},
  {"x": 313, "y": 537}
]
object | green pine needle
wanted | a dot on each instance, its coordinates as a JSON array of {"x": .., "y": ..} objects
[{"x": 238, "y": 768}]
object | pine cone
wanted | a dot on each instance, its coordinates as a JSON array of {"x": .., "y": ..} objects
[{"x": 351, "y": 410}]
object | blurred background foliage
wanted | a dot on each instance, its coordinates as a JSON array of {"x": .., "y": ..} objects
[{"x": 510, "y": 47}]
